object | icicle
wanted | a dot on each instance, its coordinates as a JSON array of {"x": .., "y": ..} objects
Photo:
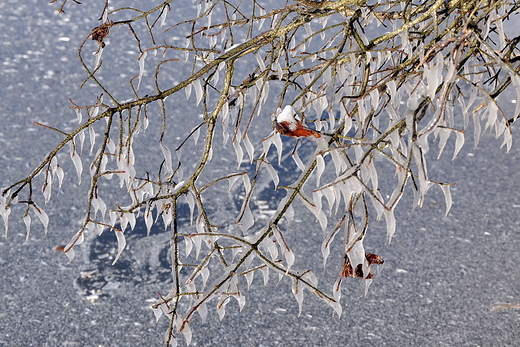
[
  {"x": 298, "y": 294},
  {"x": 164, "y": 13},
  {"x": 198, "y": 91},
  {"x": 40, "y": 213},
  {"x": 459, "y": 142},
  {"x": 76, "y": 160},
  {"x": 121, "y": 243},
  {"x": 447, "y": 196},
  {"x": 141, "y": 60}
]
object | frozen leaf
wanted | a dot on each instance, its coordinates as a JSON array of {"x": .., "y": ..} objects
[
  {"x": 231, "y": 181},
  {"x": 188, "y": 245},
  {"x": 221, "y": 307},
  {"x": 249, "y": 278},
  {"x": 447, "y": 196},
  {"x": 476, "y": 124},
  {"x": 141, "y": 60},
  {"x": 157, "y": 312},
  {"x": 148, "y": 219},
  {"x": 76, "y": 160},
  {"x": 265, "y": 272},
  {"x": 284, "y": 247},
  {"x": 92, "y": 138},
  {"x": 203, "y": 312},
  {"x": 297, "y": 290},
  {"x": 98, "y": 54},
  {"x": 239, "y": 152},
  {"x": 81, "y": 137},
  {"x": 270, "y": 245},
  {"x": 459, "y": 142},
  {"x": 164, "y": 13},
  {"x": 40, "y": 213},
  {"x": 272, "y": 172},
  {"x": 5, "y": 216},
  {"x": 190, "y": 199},
  {"x": 247, "y": 220},
  {"x": 27, "y": 221},
  {"x": 492, "y": 115},
  {"x": 325, "y": 246},
  {"x": 78, "y": 114},
  {"x": 390, "y": 223},
  {"x": 197, "y": 241},
  {"x": 186, "y": 331},
  {"x": 70, "y": 254},
  {"x": 508, "y": 139},
  {"x": 275, "y": 139},
  {"x": 121, "y": 244},
  {"x": 47, "y": 187},
  {"x": 298, "y": 161},
  {"x": 444, "y": 134},
  {"x": 198, "y": 91},
  {"x": 241, "y": 300},
  {"x": 320, "y": 168},
  {"x": 289, "y": 215},
  {"x": 76, "y": 240},
  {"x": 187, "y": 91},
  {"x": 167, "y": 154},
  {"x": 249, "y": 148},
  {"x": 204, "y": 272}
]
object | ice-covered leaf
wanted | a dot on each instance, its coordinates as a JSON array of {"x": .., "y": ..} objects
[
  {"x": 92, "y": 138},
  {"x": 444, "y": 134},
  {"x": 249, "y": 148},
  {"x": 42, "y": 216},
  {"x": 141, "y": 60},
  {"x": 121, "y": 244},
  {"x": 390, "y": 223},
  {"x": 476, "y": 124},
  {"x": 320, "y": 167},
  {"x": 27, "y": 221},
  {"x": 167, "y": 154},
  {"x": 275, "y": 139},
  {"x": 203, "y": 312},
  {"x": 297, "y": 290},
  {"x": 5, "y": 212},
  {"x": 284, "y": 247},
  {"x": 76, "y": 160},
  {"x": 204, "y": 272},
  {"x": 164, "y": 14},
  {"x": 231, "y": 181},
  {"x": 447, "y": 196},
  {"x": 190, "y": 199},
  {"x": 246, "y": 220},
  {"x": 298, "y": 161},
  {"x": 459, "y": 142},
  {"x": 272, "y": 172},
  {"x": 249, "y": 278},
  {"x": 148, "y": 219},
  {"x": 157, "y": 312},
  {"x": 81, "y": 138},
  {"x": 221, "y": 307},
  {"x": 70, "y": 254},
  {"x": 239, "y": 152},
  {"x": 199, "y": 92},
  {"x": 186, "y": 331},
  {"x": 265, "y": 273},
  {"x": 325, "y": 246},
  {"x": 47, "y": 187}
]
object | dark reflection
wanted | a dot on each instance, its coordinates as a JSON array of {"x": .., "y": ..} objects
[{"x": 146, "y": 260}]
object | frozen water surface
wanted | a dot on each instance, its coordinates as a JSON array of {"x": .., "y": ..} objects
[{"x": 440, "y": 278}]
